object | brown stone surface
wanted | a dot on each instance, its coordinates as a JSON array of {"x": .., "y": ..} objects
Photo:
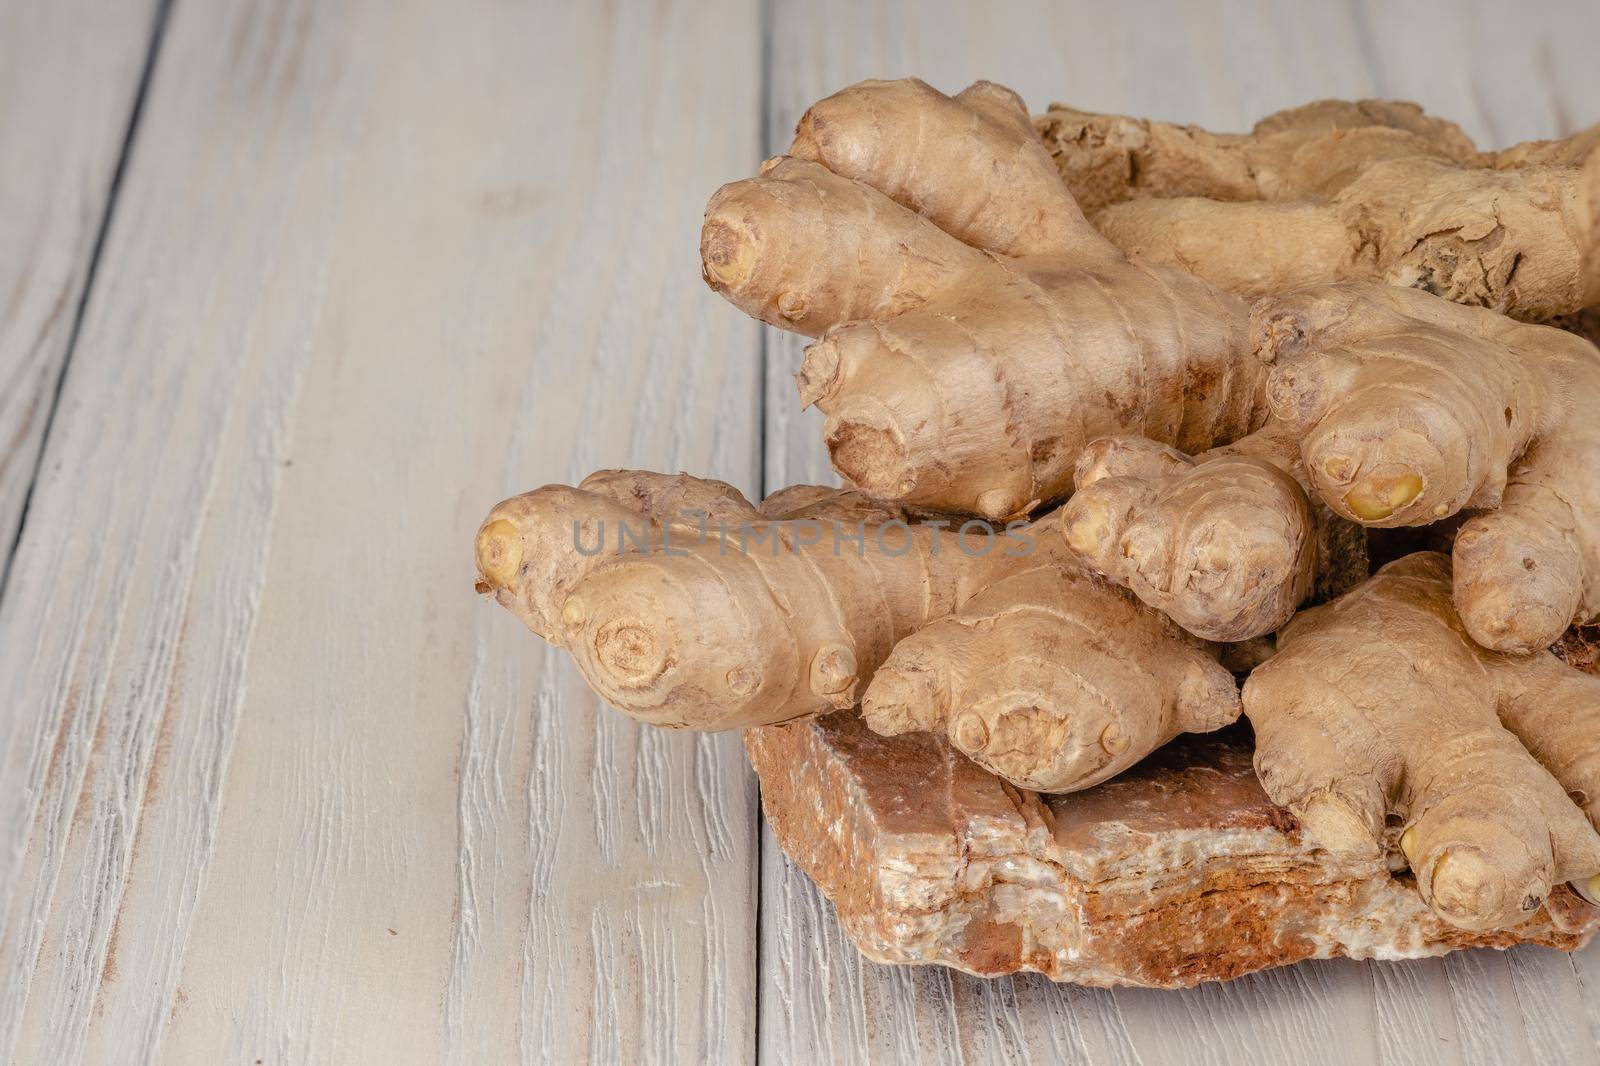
[{"x": 1178, "y": 872}]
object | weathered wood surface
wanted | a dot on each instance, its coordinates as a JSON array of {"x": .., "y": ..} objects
[
  {"x": 278, "y": 787},
  {"x": 66, "y": 100},
  {"x": 1506, "y": 74}
]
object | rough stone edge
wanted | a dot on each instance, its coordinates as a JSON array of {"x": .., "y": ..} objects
[{"x": 940, "y": 862}]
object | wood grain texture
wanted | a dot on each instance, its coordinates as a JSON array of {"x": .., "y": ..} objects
[
  {"x": 278, "y": 787},
  {"x": 66, "y": 99},
  {"x": 1506, "y": 74}
]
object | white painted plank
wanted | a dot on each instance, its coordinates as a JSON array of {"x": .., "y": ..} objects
[
  {"x": 1505, "y": 75},
  {"x": 279, "y": 787},
  {"x": 66, "y": 98}
]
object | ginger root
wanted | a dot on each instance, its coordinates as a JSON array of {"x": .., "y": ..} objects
[
  {"x": 1410, "y": 409},
  {"x": 1051, "y": 680},
  {"x": 975, "y": 335},
  {"x": 1380, "y": 704},
  {"x": 975, "y": 331},
  {"x": 687, "y": 607},
  {"x": 983, "y": 349},
  {"x": 1390, "y": 407},
  {"x": 1226, "y": 546},
  {"x": 1338, "y": 191}
]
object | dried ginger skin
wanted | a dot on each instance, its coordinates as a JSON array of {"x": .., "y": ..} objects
[
  {"x": 1588, "y": 222},
  {"x": 1381, "y": 703},
  {"x": 776, "y": 619},
  {"x": 1112, "y": 159},
  {"x": 1339, "y": 191}
]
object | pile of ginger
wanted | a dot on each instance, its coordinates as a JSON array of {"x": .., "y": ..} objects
[{"x": 1128, "y": 410}]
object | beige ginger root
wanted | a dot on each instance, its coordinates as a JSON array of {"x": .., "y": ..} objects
[
  {"x": 975, "y": 331},
  {"x": 1409, "y": 409},
  {"x": 1380, "y": 704},
  {"x": 976, "y": 335},
  {"x": 716, "y": 615},
  {"x": 1336, "y": 191},
  {"x": 1228, "y": 547},
  {"x": 1050, "y": 680},
  {"x": 1393, "y": 408}
]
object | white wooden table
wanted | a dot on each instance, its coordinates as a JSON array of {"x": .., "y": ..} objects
[{"x": 291, "y": 291}]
